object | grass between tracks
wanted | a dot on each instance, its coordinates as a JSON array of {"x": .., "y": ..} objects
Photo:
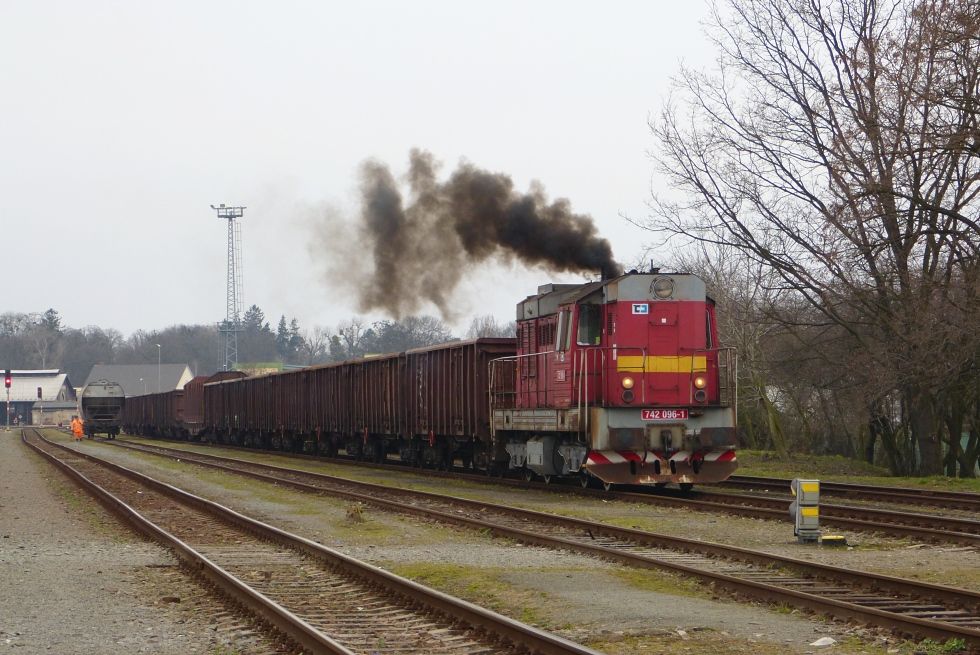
[
  {"x": 710, "y": 641},
  {"x": 483, "y": 586},
  {"x": 841, "y": 469}
]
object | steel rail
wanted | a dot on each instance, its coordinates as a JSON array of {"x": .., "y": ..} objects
[
  {"x": 501, "y": 627},
  {"x": 907, "y": 495},
  {"x": 961, "y": 528},
  {"x": 937, "y": 529},
  {"x": 853, "y": 578}
]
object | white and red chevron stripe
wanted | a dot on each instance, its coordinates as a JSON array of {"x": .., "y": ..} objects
[
  {"x": 720, "y": 456},
  {"x": 613, "y": 457},
  {"x": 600, "y": 457}
]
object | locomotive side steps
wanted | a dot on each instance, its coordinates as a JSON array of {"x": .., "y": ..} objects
[
  {"x": 907, "y": 606},
  {"x": 275, "y": 575}
]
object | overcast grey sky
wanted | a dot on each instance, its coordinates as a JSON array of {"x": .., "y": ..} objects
[{"x": 121, "y": 122}]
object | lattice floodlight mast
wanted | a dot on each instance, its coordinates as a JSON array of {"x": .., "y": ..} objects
[{"x": 232, "y": 325}]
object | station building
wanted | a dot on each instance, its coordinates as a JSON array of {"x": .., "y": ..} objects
[{"x": 40, "y": 397}]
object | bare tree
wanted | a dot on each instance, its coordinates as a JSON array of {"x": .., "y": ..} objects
[
  {"x": 837, "y": 144},
  {"x": 351, "y": 332},
  {"x": 45, "y": 339},
  {"x": 487, "y": 326},
  {"x": 314, "y": 347}
]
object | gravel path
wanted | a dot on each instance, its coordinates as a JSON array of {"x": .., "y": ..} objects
[{"x": 74, "y": 581}]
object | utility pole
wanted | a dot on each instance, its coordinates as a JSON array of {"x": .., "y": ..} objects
[
  {"x": 8, "y": 379},
  {"x": 231, "y": 326}
]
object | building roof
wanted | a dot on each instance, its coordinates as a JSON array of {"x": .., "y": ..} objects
[
  {"x": 56, "y": 405},
  {"x": 137, "y": 379},
  {"x": 54, "y": 386}
]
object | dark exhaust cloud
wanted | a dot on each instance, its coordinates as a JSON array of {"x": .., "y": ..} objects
[{"x": 423, "y": 246}]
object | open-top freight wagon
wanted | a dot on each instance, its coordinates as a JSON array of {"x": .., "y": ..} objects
[
  {"x": 177, "y": 414},
  {"x": 621, "y": 381},
  {"x": 428, "y": 405}
]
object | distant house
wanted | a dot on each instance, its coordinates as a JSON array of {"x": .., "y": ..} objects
[
  {"x": 140, "y": 379},
  {"x": 57, "y": 397}
]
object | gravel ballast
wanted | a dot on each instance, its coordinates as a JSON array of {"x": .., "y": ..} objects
[{"x": 74, "y": 580}]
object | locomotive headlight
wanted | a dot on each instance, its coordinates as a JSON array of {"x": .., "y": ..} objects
[
  {"x": 700, "y": 382},
  {"x": 627, "y": 382},
  {"x": 663, "y": 287}
]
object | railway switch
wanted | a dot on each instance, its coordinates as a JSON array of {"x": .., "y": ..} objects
[{"x": 805, "y": 510}]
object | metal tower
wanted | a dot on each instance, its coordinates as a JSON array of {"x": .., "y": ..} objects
[{"x": 232, "y": 325}]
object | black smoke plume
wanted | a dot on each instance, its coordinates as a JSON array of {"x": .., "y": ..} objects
[{"x": 421, "y": 249}]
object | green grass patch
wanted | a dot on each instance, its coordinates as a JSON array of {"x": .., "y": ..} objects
[
  {"x": 711, "y": 641},
  {"x": 840, "y": 469},
  {"x": 482, "y": 586},
  {"x": 663, "y": 582}
]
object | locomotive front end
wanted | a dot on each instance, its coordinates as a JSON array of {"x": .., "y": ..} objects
[
  {"x": 666, "y": 412},
  {"x": 621, "y": 380}
]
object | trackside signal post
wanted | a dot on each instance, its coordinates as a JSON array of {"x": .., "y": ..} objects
[
  {"x": 805, "y": 510},
  {"x": 8, "y": 379}
]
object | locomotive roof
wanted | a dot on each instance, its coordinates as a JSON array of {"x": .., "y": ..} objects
[{"x": 629, "y": 286}]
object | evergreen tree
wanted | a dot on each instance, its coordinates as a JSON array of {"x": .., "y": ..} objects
[
  {"x": 254, "y": 320},
  {"x": 282, "y": 339}
]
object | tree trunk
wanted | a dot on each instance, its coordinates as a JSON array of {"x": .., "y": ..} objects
[
  {"x": 925, "y": 431},
  {"x": 969, "y": 455},
  {"x": 880, "y": 426},
  {"x": 954, "y": 427}
]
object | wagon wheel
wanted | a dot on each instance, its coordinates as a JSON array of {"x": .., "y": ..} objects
[{"x": 687, "y": 486}]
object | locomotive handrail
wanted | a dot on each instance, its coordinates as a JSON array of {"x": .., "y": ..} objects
[
  {"x": 586, "y": 362},
  {"x": 513, "y": 359},
  {"x": 729, "y": 378}
]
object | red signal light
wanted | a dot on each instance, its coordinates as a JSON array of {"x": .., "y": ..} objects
[{"x": 8, "y": 379}]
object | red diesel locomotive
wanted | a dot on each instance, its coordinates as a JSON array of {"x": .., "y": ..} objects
[{"x": 619, "y": 381}]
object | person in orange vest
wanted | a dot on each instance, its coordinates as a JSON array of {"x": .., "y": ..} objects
[{"x": 76, "y": 428}]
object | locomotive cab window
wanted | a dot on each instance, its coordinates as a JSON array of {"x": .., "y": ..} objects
[
  {"x": 589, "y": 325},
  {"x": 707, "y": 330},
  {"x": 562, "y": 342}
]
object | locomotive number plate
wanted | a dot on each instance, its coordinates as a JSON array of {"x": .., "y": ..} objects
[{"x": 663, "y": 414}]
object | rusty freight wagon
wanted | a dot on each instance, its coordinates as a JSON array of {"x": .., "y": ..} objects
[
  {"x": 429, "y": 405},
  {"x": 448, "y": 403},
  {"x": 175, "y": 414},
  {"x": 155, "y": 414}
]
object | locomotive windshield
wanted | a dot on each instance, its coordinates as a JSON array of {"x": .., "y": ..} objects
[
  {"x": 589, "y": 325},
  {"x": 564, "y": 330}
]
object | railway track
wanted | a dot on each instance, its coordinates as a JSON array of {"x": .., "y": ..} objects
[
  {"x": 901, "y": 523},
  {"x": 319, "y": 598},
  {"x": 907, "y": 606},
  {"x": 895, "y": 522},
  {"x": 900, "y": 495}
]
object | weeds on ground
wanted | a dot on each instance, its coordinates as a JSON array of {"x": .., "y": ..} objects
[
  {"x": 948, "y": 647},
  {"x": 355, "y": 513}
]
